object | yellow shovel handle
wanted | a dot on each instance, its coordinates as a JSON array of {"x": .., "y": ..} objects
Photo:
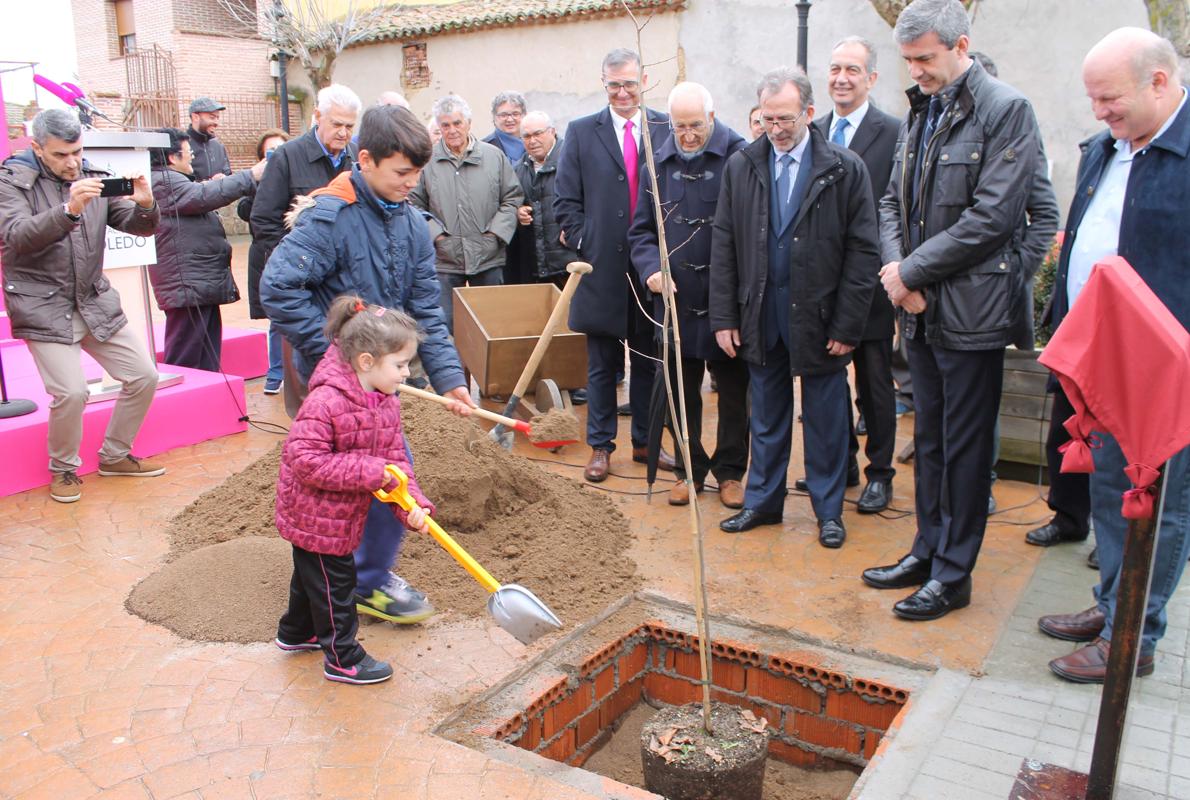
[{"x": 400, "y": 496}]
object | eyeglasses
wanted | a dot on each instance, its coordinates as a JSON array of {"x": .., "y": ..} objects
[
  {"x": 614, "y": 87},
  {"x": 510, "y": 114},
  {"x": 781, "y": 122},
  {"x": 693, "y": 127},
  {"x": 527, "y": 135}
]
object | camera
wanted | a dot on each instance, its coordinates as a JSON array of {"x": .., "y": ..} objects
[{"x": 116, "y": 187}]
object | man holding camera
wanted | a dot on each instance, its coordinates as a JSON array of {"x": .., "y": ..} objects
[{"x": 53, "y": 213}]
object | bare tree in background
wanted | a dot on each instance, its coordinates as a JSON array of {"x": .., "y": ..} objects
[
  {"x": 1171, "y": 19},
  {"x": 889, "y": 10},
  {"x": 306, "y": 31}
]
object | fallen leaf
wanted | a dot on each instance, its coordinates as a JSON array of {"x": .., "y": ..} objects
[
  {"x": 667, "y": 735},
  {"x": 748, "y": 715},
  {"x": 718, "y": 759}
]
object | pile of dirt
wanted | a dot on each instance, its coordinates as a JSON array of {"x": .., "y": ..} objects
[{"x": 227, "y": 571}]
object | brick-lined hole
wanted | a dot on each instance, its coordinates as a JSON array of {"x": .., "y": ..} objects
[{"x": 819, "y": 717}]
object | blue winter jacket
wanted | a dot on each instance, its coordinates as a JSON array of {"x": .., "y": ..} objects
[{"x": 347, "y": 242}]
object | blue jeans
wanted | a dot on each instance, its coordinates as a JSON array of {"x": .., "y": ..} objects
[
  {"x": 376, "y": 556},
  {"x": 276, "y": 369},
  {"x": 1108, "y": 483}
]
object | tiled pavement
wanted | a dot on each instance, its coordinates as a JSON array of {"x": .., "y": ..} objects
[{"x": 97, "y": 703}]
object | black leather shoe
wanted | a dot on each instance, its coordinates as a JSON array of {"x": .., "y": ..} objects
[
  {"x": 578, "y": 396},
  {"x": 909, "y": 571},
  {"x": 748, "y": 519},
  {"x": 831, "y": 533},
  {"x": 861, "y": 427},
  {"x": 875, "y": 497},
  {"x": 1093, "y": 558},
  {"x": 624, "y": 410},
  {"x": 852, "y": 478},
  {"x": 1054, "y": 532},
  {"x": 935, "y": 600}
]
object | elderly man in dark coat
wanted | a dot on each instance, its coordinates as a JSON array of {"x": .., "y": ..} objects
[
  {"x": 596, "y": 193},
  {"x": 543, "y": 257},
  {"x": 690, "y": 170},
  {"x": 794, "y": 264}
]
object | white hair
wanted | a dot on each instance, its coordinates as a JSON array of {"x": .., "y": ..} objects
[
  {"x": 539, "y": 115},
  {"x": 339, "y": 96},
  {"x": 688, "y": 88},
  {"x": 444, "y": 106},
  {"x": 391, "y": 98}
]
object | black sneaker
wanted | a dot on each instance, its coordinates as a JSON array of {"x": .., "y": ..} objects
[
  {"x": 293, "y": 647},
  {"x": 367, "y": 671}
]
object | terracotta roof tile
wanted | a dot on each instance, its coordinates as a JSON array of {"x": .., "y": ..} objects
[{"x": 411, "y": 21}]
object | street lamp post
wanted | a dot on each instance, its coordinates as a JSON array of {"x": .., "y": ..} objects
[
  {"x": 282, "y": 64},
  {"x": 803, "y": 34}
]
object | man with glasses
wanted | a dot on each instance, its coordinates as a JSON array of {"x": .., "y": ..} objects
[
  {"x": 543, "y": 256},
  {"x": 598, "y": 178},
  {"x": 798, "y": 306},
  {"x": 689, "y": 172}
]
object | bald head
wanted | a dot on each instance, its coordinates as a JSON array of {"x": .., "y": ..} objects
[
  {"x": 691, "y": 116},
  {"x": 392, "y": 99},
  {"x": 537, "y": 132},
  {"x": 1132, "y": 79}
]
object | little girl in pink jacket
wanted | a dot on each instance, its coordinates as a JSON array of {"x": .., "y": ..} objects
[{"x": 347, "y": 430}]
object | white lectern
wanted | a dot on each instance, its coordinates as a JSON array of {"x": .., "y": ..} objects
[{"x": 126, "y": 257}]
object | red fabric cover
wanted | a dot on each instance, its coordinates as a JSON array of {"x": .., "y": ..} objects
[
  {"x": 334, "y": 457},
  {"x": 1124, "y": 361}
]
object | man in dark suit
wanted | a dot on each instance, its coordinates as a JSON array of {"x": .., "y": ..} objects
[
  {"x": 595, "y": 196},
  {"x": 872, "y": 135},
  {"x": 797, "y": 305}
]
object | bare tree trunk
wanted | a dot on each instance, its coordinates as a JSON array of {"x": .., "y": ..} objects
[
  {"x": 889, "y": 10},
  {"x": 1171, "y": 19}
]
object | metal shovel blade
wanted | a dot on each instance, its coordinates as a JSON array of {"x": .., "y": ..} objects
[{"x": 521, "y": 613}]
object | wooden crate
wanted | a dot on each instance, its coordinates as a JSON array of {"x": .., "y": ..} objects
[
  {"x": 496, "y": 328},
  {"x": 1024, "y": 409}
]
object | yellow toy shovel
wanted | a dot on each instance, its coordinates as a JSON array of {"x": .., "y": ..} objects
[{"x": 513, "y": 607}]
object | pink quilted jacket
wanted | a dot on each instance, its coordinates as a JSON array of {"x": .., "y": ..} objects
[{"x": 334, "y": 458}]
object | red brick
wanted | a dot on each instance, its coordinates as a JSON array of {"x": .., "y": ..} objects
[
  {"x": 605, "y": 683},
  {"x": 783, "y": 691},
  {"x": 685, "y": 664},
  {"x": 532, "y": 735},
  {"x": 561, "y": 714},
  {"x": 633, "y": 662},
  {"x": 824, "y": 732},
  {"x": 852, "y": 707},
  {"x": 580, "y": 758},
  {"x": 561, "y": 748},
  {"x": 770, "y": 712},
  {"x": 872, "y": 741},
  {"x": 625, "y": 698},
  {"x": 588, "y": 726},
  {"x": 792, "y": 754},
  {"x": 728, "y": 675},
  {"x": 675, "y": 691}
]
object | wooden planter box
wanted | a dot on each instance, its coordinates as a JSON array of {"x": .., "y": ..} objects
[
  {"x": 496, "y": 328},
  {"x": 1024, "y": 410}
]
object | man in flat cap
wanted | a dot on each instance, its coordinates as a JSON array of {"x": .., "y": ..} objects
[{"x": 210, "y": 156}]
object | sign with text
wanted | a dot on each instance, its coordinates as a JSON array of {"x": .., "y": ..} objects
[{"x": 123, "y": 249}]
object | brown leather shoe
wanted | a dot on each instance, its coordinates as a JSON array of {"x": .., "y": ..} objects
[
  {"x": 731, "y": 494},
  {"x": 678, "y": 496},
  {"x": 1085, "y": 626},
  {"x": 598, "y": 466},
  {"x": 1089, "y": 664},
  {"x": 664, "y": 462}
]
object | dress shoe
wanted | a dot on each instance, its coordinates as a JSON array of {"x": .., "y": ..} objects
[
  {"x": 665, "y": 461},
  {"x": 1093, "y": 558},
  {"x": 1089, "y": 664},
  {"x": 935, "y": 600},
  {"x": 731, "y": 494},
  {"x": 1054, "y": 532},
  {"x": 875, "y": 497},
  {"x": 1085, "y": 626},
  {"x": 598, "y": 466},
  {"x": 852, "y": 478},
  {"x": 909, "y": 571},
  {"x": 578, "y": 397},
  {"x": 624, "y": 410},
  {"x": 831, "y": 533},
  {"x": 679, "y": 496},
  {"x": 748, "y": 519},
  {"x": 861, "y": 427}
]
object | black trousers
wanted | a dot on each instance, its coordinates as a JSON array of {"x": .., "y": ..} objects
[
  {"x": 1070, "y": 492},
  {"x": 605, "y": 360},
  {"x": 730, "y": 461},
  {"x": 878, "y": 403},
  {"x": 194, "y": 337},
  {"x": 322, "y": 604},
  {"x": 956, "y": 398}
]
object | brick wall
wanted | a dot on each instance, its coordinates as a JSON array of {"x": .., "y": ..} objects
[{"x": 209, "y": 15}]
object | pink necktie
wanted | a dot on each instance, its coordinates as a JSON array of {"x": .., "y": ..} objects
[{"x": 630, "y": 165}]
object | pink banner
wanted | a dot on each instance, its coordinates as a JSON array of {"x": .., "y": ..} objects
[{"x": 5, "y": 147}]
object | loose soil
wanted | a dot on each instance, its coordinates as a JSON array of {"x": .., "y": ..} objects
[
  {"x": 554, "y": 425},
  {"x": 619, "y": 759},
  {"x": 227, "y": 571}
]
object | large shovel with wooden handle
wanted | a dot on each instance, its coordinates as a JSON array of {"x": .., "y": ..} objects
[
  {"x": 515, "y": 424},
  {"x": 514, "y": 608},
  {"x": 577, "y": 269}
]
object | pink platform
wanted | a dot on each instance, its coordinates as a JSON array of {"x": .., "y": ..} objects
[{"x": 204, "y": 406}]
